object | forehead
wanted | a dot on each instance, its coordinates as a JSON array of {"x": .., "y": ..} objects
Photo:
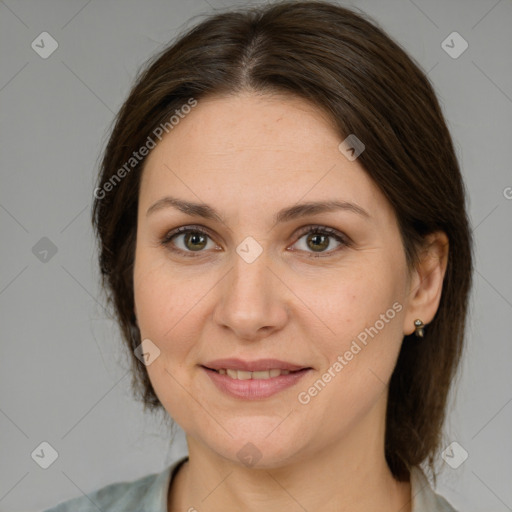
[
  {"x": 249, "y": 124},
  {"x": 266, "y": 149}
]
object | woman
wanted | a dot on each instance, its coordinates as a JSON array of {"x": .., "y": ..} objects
[{"x": 283, "y": 234}]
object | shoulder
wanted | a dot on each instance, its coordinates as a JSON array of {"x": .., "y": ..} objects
[
  {"x": 148, "y": 493},
  {"x": 424, "y": 499}
]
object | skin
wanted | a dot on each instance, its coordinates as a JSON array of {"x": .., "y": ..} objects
[{"x": 249, "y": 156}]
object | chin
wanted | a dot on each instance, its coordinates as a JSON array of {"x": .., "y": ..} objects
[{"x": 256, "y": 442}]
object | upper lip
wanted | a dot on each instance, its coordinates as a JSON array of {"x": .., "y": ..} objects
[{"x": 252, "y": 366}]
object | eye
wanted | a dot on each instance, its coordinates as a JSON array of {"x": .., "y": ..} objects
[
  {"x": 319, "y": 239},
  {"x": 187, "y": 240},
  {"x": 191, "y": 240}
]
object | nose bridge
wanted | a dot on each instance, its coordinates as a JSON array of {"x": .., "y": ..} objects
[
  {"x": 251, "y": 294},
  {"x": 250, "y": 280},
  {"x": 250, "y": 277}
]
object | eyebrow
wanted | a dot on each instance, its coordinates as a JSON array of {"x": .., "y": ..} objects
[{"x": 286, "y": 214}]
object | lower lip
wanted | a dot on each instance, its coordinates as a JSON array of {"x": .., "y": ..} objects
[{"x": 253, "y": 389}]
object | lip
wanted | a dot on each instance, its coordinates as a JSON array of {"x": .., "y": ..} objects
[
  {"x": 253, "y": 389},
  {"x": 252, "y": 366}
]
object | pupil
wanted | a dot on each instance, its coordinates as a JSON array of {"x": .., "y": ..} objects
[
  {"x": 193, "y": 237},
  {"x": 323, "y": 245}
]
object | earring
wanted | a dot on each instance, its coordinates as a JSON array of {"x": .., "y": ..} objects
[{"x": 420, "y": 331}]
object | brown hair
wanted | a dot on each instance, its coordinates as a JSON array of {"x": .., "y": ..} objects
[{"x": 351, "y": 70}]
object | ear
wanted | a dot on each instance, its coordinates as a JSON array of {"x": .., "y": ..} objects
[{"x": 426, "y": 282}]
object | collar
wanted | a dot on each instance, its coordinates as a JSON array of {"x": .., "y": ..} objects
[{"x": 424, "y": 499}]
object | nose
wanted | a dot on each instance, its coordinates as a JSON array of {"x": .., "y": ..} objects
[{"x": 252, "y": 300}]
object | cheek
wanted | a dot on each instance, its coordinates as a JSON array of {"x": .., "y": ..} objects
[
  {"x": 170, "y": 307},
  {"x": 359, "y": 358},
  {"x": 351, "y": 300},
  {"x": 162, "y": 302},
  {"x": 152, "y": 298},
  {"x": 362, "y": 325},
  {"x": 159, "y": 305},
  {"x": 162, "y": 295}
]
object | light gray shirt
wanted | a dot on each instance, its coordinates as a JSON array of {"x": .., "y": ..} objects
[{"x": 149, "y": 494}]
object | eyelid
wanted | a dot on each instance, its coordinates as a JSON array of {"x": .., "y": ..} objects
[
  {"x": 184, "y": 229},
  {"x": 166, "y": 239},
  {"x": 319, "y": 228},
  {"x": 344, "y": 240}
]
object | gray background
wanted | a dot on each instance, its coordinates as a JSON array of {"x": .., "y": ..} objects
[{"x": 63, "y": 373}]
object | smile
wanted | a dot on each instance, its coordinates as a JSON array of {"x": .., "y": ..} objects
[
  {"x": 257, "y": 384},
  {"x": 246, "y": 375}
]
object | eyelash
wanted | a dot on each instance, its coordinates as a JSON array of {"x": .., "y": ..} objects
[{"x": 313, "y": 229}]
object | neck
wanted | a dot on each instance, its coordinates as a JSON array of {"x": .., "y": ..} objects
[{"x": 349, "y": 476}]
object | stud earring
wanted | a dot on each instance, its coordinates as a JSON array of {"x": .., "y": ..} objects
[{"x": 419, "y": 331}]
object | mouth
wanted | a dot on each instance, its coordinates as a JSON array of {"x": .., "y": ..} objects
[
  {"x": 257, "y": 375},
  {"x": 258, "y": 365},
  {"x": 252, "y": 380}
]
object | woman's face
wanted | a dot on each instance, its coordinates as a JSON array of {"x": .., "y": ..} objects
[{"x": 256, "y": 284}]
